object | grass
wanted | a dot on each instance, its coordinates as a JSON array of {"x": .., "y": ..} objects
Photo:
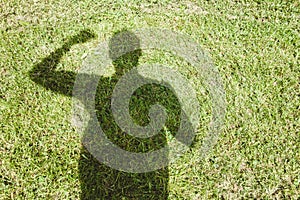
[{"x": 255, "y": 46}]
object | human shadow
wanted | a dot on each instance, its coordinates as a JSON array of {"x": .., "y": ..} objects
[{"x": 98, "y": 181}]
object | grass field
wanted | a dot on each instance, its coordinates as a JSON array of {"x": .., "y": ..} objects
[{"x": 255, "y": 46}]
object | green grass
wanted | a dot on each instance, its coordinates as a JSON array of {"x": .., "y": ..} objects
[{"x": 255, "y": 46}]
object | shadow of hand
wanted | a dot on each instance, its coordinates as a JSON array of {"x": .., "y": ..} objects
[{"x": 44, "y": 72}]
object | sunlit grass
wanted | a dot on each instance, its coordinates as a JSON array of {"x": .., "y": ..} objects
[{"x": 255, "y": 46}]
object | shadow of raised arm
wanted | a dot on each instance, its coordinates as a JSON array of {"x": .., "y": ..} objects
[{"x": 45, "y": 74}]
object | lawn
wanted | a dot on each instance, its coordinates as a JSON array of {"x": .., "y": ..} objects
[{"x": 255, "y": 45}]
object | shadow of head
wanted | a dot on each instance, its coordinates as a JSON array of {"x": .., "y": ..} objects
[{"x": 124, "y": 42}]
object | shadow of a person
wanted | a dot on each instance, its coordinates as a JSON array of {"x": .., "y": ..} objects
[{"x": 99, "y": 181}]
